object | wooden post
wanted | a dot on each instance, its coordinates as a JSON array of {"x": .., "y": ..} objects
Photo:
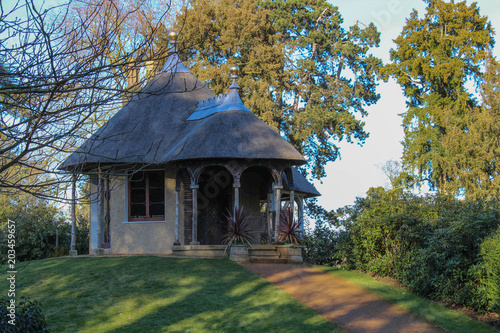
[
  {"x": 269, "y": 217},
  {"x": 301, "y": 209},
  {"x": 292, "y": 199},
  {"x": 177, "y": 201},
  {"x": 73, "y": 214},
  {"x": 194, "y": 188},
  {"x": 236, "y": 186},
  {"x": 107, "y": 212},
  {"x": 100, "y": 210},
  {"x": 277, "y": 189}
]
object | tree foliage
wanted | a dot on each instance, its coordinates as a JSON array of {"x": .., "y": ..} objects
[
  {"x": 477, "y": 150},
  {"x": 40, "y": 226},
  {"x": 437, "y": 55},
  {"x": 301, "y": 71},
  {"x": 432, "y": 245}
]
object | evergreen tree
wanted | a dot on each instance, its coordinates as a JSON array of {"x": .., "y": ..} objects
[
  {"x": 301, "y": 71},
  {"x": 436, "y": 56},
  {"x": 477, "y": 150}
]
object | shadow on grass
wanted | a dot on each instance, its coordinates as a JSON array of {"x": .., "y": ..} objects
[{"x": 157, "y": 294}]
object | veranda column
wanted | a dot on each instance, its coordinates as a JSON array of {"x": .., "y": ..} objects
[
  {"x": 177, "y": 200},
  {"x": 194, "y": 188},
  {"x": 100, "y": 210},
  {"x": 236, "y": 186},
  {"x": 292, "y": 198},
  {"x": 269, "y": 216},
  {"x": 73, "y": 251},
  {"x": 277, "y": 189},
  {"x": 301, "y": 210}
]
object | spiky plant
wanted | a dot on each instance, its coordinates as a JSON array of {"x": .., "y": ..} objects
[
  {"x": 289, "y": 230},
  {"x": 238, "y": 229}
]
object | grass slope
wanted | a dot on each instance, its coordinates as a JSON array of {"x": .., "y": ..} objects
[
  {"x": 451, "y": 320},
  {"x": 157, "y": 294}
]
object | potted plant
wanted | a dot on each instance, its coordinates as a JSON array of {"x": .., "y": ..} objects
[
  {"x": 290, "y": 234},
  {"x": 239, "y": 235}
]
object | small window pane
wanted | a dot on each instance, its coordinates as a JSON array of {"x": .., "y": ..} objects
[
  {"x": 156, "y": 210},
  {"x": 138, "y": 210},
  {"x": 138, "y": 196},
  {"x": 138, "y": 180},
  {"x": 156, "y": 195},
  {"x": 156, "y": 180}
]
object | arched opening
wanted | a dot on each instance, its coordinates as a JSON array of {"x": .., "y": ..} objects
[
  {"x": 215, "y": 199},
  {"x": 256, "y": 196}
]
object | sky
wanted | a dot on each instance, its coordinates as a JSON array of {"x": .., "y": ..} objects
[{"x": 359, "y": 166}]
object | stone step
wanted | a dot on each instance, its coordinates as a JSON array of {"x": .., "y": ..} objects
[
  {"x": 263, "y": 253},
  {"x": 269, "y": 260}
]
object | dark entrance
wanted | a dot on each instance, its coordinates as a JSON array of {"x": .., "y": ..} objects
[{"x": 214, "y": 201}]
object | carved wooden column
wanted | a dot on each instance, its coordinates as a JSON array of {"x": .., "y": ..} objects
[
  {"x": 100, "y": 210},
  {"x": 177, "y": 203},
  {"x": 269, "y": 216},
  {"x": 236, "y": 186},
  {"x": 194, "y": 189},
  {"x": 277, "y": 189},
  {"x": 301, "y": 209},
  {"x": 73, "y": 216}
]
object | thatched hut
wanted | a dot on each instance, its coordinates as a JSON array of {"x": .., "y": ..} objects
[{"x": 167, "y": 167}]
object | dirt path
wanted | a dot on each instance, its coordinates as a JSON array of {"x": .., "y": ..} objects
[{"x": 347, "y": 305}]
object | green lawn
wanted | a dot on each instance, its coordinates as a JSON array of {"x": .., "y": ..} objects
[
  {"x": 158, "y": 294},
  {"x": 451, "y": 320}
]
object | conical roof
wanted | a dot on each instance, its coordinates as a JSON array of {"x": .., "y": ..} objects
[
  {"x": 176, "y": 117},
  {"x": 147, "y": 127}
]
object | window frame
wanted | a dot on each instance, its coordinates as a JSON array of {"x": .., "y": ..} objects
[{"x": 146, "y": 176}]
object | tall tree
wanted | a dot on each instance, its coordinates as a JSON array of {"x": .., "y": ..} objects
[
  {"x": 301, "y": 71},
  {"x": 437, "y": 55},
  {"x": 477, "y": 150}
]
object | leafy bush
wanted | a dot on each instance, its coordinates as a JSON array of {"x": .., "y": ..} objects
[
  {"x": 490, "y": 252},
  {"x": 28, "y": 317},
  {"x": 431, "y": 244},
  {"x": 36, "y": 223},
  {"x": 326, "y": 246}
]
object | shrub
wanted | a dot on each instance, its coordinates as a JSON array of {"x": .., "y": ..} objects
[
  {"x": 289, "y": 230},
  {"x": 238, "y": 229},
  {"x": 490, "y": 252},
  {"x": 431, "y": 244},
  {"x": 28, "y": 317},
  {"x": 326, "y": 246},
  {"x": 36, "y": 223}
]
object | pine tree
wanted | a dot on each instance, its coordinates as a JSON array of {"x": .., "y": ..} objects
[
  {"x": 477, "y": 150},
  {"x": 436, "y": 56}
]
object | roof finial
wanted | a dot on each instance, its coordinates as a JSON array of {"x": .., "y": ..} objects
[
  {"x": 234, "y": 70},
  {"x": 174, "y": 64},
  {"x": 172, "y": 35}
]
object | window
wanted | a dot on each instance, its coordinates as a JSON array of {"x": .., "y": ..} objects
[{"x": 147, "y": 196}]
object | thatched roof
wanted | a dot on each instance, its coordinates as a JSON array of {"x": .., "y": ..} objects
[
  {"x": 301, "y": 184},
  {"x": 154, "y": 128}
]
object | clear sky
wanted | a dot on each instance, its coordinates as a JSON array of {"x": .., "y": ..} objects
[{"x": 359, "y": 167}]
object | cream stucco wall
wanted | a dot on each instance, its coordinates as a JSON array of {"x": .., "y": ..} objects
[{"x": 141, "y": 237}]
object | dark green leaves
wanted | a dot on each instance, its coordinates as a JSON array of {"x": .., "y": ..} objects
[{"x": 301, "y": 72}]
